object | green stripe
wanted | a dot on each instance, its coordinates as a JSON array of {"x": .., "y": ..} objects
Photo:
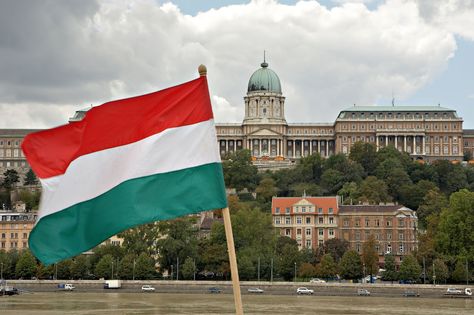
[{"x": 78, "y": 228}]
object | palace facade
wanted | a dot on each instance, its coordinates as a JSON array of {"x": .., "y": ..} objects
[{"x": 425, "y": 132}]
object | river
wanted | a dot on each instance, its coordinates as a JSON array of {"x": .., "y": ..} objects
[{"x": 166, "y": 303}]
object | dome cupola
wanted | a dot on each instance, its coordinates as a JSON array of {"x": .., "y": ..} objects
[{"x": 264, "y": 80}]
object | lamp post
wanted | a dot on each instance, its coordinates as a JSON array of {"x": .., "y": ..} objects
[
  {"x": 133, "y": 270},
  {"x": 294, "y": 280},
  {"x": 424, "y": 271},
  {"x": 112, "y": 275},
  {"x": 258, "y": 268},
  {"x": 271, "y": 271},
  {"x": 1, "y": 272}
]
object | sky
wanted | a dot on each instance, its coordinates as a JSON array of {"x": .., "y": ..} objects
[{"x": 60, "y": 56}]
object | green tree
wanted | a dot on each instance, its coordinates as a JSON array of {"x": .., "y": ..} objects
[
  {"x": 141, "y": 239},
  {"x": 266, "y": 189},
  {"x": 145, "y": 267},
  {"x": 440, "y": 270},
  {"x": 287, "y": 259},
  {"x": 336, "y": 247},
  {"x": 332, "y": 181},
  {"x": 80, "y": 267},
  {"x": 366, "y": 155},
  {"x": 455, "y": 234},
  {"x": 351, "y": 265},
  {"x": 239, "y": 172},
  {"x": 10, "y": 178},
  {"x": 64, "y": 269},
  {"x": 126, "y": 267},
  {"x": 349, "y": 193},
  {"x": 31, "y": 199},
  {"x": 370, "y": 257},
  {"x": 246, "y": 267},
  {"x": 30, "y": 178},
  {"x": 373, "y": 190},
  {"x": 189, "y": 268},
  {"x": 327, "y": 268},
  {"x": 179, "y": 241},
  {"x": 390, "y": 273},
  {"x": 26, "y": 265},
  {"x": 461, "y": 271},
  {"x": 103, "y": 269},
  {"x": 307, "y": 271},
  {"x": 433, "y": 202},
  {"x": 410, "y": 270}
]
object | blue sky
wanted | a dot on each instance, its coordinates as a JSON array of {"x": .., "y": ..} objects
[{"x": 453, "y": 87}]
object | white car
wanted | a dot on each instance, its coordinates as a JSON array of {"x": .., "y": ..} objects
[
  {"x": 148, "y": 288},
  {"x": 304, "y": 290},
  {"x": 255, "y": 290},
  {"x": 317, "y": 280}
]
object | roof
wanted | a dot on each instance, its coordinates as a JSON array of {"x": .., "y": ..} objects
[
  {"x": 319, "y": 202},
  {"x": 264, "y": 79},
  {"x": 16, "y": 132},
  {"x": 208, "y": 222},
  {"x": 468, "y": 132},
  {"x": 371, "y": 208},
  {"x": 376, "y": 108}
]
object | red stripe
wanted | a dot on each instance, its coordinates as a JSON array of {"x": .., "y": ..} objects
[{"x": 117, "y": 123}]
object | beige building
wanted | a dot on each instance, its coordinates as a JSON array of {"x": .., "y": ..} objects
[
  {"x": 15, "y": 227},
  {"x": 425, "y": 132}
]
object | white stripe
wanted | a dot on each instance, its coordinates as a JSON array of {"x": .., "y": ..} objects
[{"x": 96, "y": 173}]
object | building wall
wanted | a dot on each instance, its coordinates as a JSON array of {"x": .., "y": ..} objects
[{"x": 15, "y": 229}]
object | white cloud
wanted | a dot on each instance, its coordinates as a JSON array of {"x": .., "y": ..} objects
[{"x": 327, "y": 59}]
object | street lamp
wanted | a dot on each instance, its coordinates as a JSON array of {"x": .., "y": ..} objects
[
  {"x": 294, "y": 280},
  {"x": 133, "y": 271},
  {"x": 112, "y": 275},
  {"x": 1, "y": 273}
]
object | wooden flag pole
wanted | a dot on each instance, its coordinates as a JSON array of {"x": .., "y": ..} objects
[
  {"x": 230, "y": 242},
  {"x": 233, "y": 262}
]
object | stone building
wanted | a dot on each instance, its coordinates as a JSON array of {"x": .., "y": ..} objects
[
  {"x": 425, "y": 132},
  {"x": 313, "y": 220},
  {"x": 394, "y": 228},
  {"x": 309, "y": 220},
  {"x": 15, "y": 228}
]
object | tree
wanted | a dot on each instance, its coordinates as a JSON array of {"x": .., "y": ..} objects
[
  {"x": 10, "y": 178},
  {"x": 31, "y": 199},
  {"x": 26, "y": 265},
  {"x": 266, "y": 189},
  {"x": 461, "y": 271},
  {"x": 335, "y": 247},
  {"x": 306, "y": 271},
  {"x": 103, "y": 269},
  {"x": 440, "y": 270},
  {"x": 145, "y": 267},
  {"x": 126, "y": 267},
  {"x": 80, "y": 267},
  {"x": 370, "y": 257},
  {"x": 332, "y": 181},
  {"x": 188, "y": 269},
  {"x": 366, "y": 155},
  {"x": 141, "y": 239},
  {"x": 30, "y": 178},
  {"x": 286, "y": 261},
  {"x": 390, "y": 273},
  {"x": 351, "y": 265},
  {"x": 433, "y": 202},
  {"x": 239, "y": 172},
  {"x": 246, "y": 267},
  {"x": 327, "y": 268},
  {"x": 349, "y": 193},
  {"x": 64, "y": 269},
  {"x": 455, "y": 233},
  {"x": 373, "y": 190},
  {"x": 410, "y": 270}
]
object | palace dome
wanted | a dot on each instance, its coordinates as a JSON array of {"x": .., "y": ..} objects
[{"x": 264, "y": 80}]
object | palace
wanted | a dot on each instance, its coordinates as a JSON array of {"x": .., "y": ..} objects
[{"x": 425, "y": 132}]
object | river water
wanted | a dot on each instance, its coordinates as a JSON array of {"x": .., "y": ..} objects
[{"x": 158, "y": 303}]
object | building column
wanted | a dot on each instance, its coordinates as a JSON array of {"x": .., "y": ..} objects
[
  {"x": 310, "y": 147},
  {"x": 227, "y": 146},
  {"x": 319, "y": 147},
  {"x": 396, "y": 142},
  {"x": 404, "y": 143},
  {"x": 423, "y": 151},
  {"x": 326, "y": 153},
  {"x": 376, "y": 142},
  {"x": 386, "y": 141},
  {"x": 259, "y": 147},
  {"x": 294, "y": 149}
]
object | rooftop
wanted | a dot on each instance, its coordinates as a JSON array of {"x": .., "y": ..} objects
[{"x": 376, "y": 108}]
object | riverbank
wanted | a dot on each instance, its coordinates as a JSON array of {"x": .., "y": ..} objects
[{"x": 270, "y": 288}]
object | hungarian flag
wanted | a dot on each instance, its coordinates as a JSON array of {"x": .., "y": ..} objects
[{"x": 128, "y": 162}]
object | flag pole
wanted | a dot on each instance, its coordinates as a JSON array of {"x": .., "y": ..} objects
[{"x": 230, "y": 242}]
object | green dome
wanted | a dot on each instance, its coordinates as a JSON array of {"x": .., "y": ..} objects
[{"x": 264, "y": 79}]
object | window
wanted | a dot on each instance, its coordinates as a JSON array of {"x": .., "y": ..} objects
[
  {"x": 321, "y": 232},
  {"x": 389, "y": 222},
  {"x": 303, "y": 209},
  {"x": 331, "y": 232},
  {"x": 277, "y": 220},
  {"x": 287, "y": 220},
  {"x": 377, "y": 236},
  {"x": 401, "y": 248},
  {"x": 298, "y": 232},
  {"x": 3, "y": 235},
  {"x": 308, "y": 243},
  {"x": 346, "y": 222},
  {"x": 367, "y": 222},
  {"x": 308, "y": 232},
  {"x": 298, "y": 220},
  {"x": 287, "y": 210},
  {"x": 400, "y": 236},
  {"x": 357, "y": 235},
  {"x": 308, "y": 220},
  {"x": 357, "y": 222},
  {"x": 25, "y": 235},
  {"x": 389, "y": 248},
  {"x": 401, "y": 223},
  {"x": 320, "y": 243},
  {"x": 277, "y": 210},
  {"x": 389, "y": 235},
  {"x": 377, "y": 222},
  {"x": 331, "y": 210},
  {"x": 320, "y": 210},
  {"x": 358, "y": 247},
  {"x": 320, "y": 220},
  {"x": 331, "y": 220},
  {"x": 287, "y": 232}
]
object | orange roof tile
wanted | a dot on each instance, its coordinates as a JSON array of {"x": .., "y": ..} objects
[{"x": 320, "y": 202}]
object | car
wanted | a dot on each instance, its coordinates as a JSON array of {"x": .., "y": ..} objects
[
  {"x": 255, "y": 290},
  {"x": 214, "y": 290},
  {"x": 411, "y": 293},
  {"x": 317, "y": 280},
  {"x": 148, "y": 288},
  {"x": 363, "y": 292},
  {"x": 303, "y": 290}
]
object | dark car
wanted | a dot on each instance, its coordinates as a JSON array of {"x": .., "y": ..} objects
[
  {"x": 411, "y": 293},
  {"x": 214, "y": 290}
]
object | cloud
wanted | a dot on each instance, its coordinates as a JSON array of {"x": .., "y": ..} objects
[{"x": 67, "y": 55}]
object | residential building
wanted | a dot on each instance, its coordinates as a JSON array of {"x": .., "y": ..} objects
[
  {"x": 394, "y": 228},
  {"x": 15, "y": 228},
  {"x": 309, "y": 220}
]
